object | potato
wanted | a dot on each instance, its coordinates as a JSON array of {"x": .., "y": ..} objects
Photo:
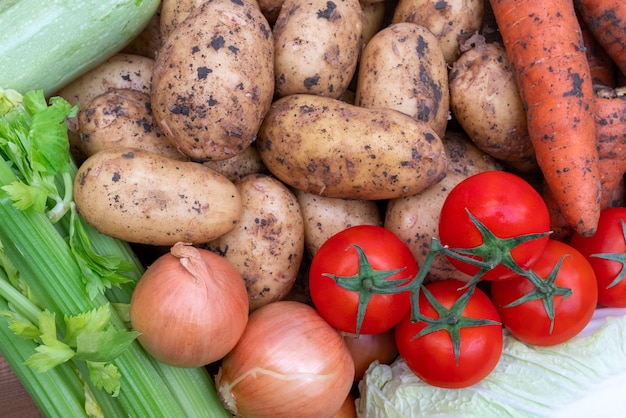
[
  {"x": 485, "y": 100},
  {"x": 403, "y": 68},
  {"x": 373, "y": 17},
  {"x": 415, "y": 219},
  {"x": 317, "y": 45},
  {"x": 213, "y": 80},
  {"x": 267, "y": 244},
  {"x": 122, "y": 118},
  {"x": 270, "y": 9},
  {"x": 141, "y": 197},
  {"x": 325, "y": 146},
  {"x": 122, "y": 70},
  {"x": 148, "y": 42},
  {"x": 241, "y": 165},
  {"x": 451, "y": 21},
  {"x": 325, "y": 216},
  {"x": 173, "y": 12}
]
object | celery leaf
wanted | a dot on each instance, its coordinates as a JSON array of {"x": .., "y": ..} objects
[{"x": 105, "y": 376}]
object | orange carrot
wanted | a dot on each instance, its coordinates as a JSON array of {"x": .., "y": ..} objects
[
  {"x": 544, "y": 45},
  {"x": 610, "y": 116},
  {"x": 606, "y": 19},
  {"x": 601, "y": 65}
]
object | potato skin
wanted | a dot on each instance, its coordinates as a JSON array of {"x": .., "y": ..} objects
[
  {"x": 142, "y": 197},
  {"x": 325, "y": 216},
  {"x": 241, "y": 165},
  {"x": 485, "y": 100},
  {"x": 415, "y": 219},
  {"x": 451, "y": 21},
  {"x": 213, "y": 79},
  {"x": 122, "y": 70},
  {"x": 267, "y": 244},
  {"x": 403, "y": 68},
  {"x": 325, "y": 146},
  {"x": 122, "y": 118},
  {"x": 317, "y": 45}
]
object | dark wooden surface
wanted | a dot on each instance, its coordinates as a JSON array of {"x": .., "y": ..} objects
[{"x": 15, "y": 402}]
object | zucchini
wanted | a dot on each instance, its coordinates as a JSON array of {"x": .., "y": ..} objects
[{"x": 46, "y": 44}]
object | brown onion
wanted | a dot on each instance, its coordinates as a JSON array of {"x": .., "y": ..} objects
[
  {"x": 190, "y": 306},
  {"x": 288, "y": 363}
]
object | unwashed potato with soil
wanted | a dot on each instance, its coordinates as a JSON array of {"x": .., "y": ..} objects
[
  {"x": 317, "y": 45},
  {"x": 451, "y": 21},
  {"x": 485, "y": 100},
  {"x": 173, "y": 12},
  {"x": 325, "y": 216},
  {"x": 148, "y": 42},
  {"x": 213, "y": 80},
  {"x": 270, "y": 9},
  {"x": 122, "y": 118},
  {"x": 126, "y": 71},
  {"x": 267, "y": 244},
  {"x": 327, "y": 147},
  {"x": 415, "y": 219},
  {"x": 373, "y": 17},
  {"x": 141, "y": 197},
  {"x": 403, "y": 68},
  {"x": 239, "y": 166}
]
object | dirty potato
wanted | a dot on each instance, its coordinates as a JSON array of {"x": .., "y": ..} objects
[
  {"x": 403, "y": 68},
  {"x": 415, "y": 219},
  {"x": 141, "y": 197},
  {"x": 267, "y": 244},
  {"x": 122, "y": 118},
  {"x": 213, "y": 80},
  {"x": 373, "y": 18},
  {"x": 325, "y": 146},
  {"x": 317, "y": 45},
  {"x": 325, "y": 216},
  {"x": 485, "y": 100},
  {"x": 239, "y": 166},
  {"x": 173, "y": 12},
  {"x": 451, "y": 21}
]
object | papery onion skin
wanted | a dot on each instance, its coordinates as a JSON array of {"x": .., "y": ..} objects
[
  {"x": 187, "y": 320},
  {"x": 289, "y": 362},
  {"x": 365, "y": 348}
]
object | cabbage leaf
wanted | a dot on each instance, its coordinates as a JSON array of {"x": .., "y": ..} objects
[{"x": 585, "y": 376}]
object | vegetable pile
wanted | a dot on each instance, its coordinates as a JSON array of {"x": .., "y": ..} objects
[{"x": 250, "y": 209}]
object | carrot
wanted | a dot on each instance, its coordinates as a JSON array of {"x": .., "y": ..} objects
[
  {"x": 544, "y": 45},
  {"x": 610, "y": 117},
  {"x": 601, "y": 65},
  {"x": 606, "y": 19}
]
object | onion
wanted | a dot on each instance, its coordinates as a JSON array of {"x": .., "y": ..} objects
[
  {"x": 365, "y": 348},
  {"x": 190, "y": 306},
  {"x": 288, "y": 363}
]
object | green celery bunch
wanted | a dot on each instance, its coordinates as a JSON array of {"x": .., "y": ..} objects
[{"x": 64, "y": 287}]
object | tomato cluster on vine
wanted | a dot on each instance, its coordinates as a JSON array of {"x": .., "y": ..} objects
[{"x": 495, "y": 227}]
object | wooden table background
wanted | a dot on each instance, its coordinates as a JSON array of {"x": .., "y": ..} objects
[{"x": 15, "y": 402}]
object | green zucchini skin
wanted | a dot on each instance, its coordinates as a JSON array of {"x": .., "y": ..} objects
[{"x": 47, "y": 44}]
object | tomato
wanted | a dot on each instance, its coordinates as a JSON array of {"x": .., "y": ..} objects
[
  {"x": 508, "y": 206},
  {"x": 385, "y": 259},
  {"x": 432, "y": 357},
  {"x": 608, "y": 241},
  {"x": 529, "y": 321},
  {"x": 366, "y": 348}
]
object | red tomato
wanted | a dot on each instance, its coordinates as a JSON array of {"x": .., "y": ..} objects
[
  {"x": 507, "y": 205},
  {"x": 431, "y": 356},
  {"x": 366, "y": 348},
  {"x": 608, "y": 241},
  {"x": 338, "y": 257},
  {"x": 529, "y": 321}
]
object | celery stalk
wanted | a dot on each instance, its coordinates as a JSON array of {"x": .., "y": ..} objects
[
  {"x": 74, "y": 273},
  {"x": 57, "y": 393}
]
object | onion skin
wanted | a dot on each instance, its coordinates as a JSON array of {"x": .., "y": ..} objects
[
  {"x": 190, "y": 306},
  {"x": 289, "y": 362},
  {"x": 365, "y": 348}
]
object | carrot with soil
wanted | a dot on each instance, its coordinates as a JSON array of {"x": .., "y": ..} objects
[
  {"x": 606, "y": 19},
  {"x": 545, "y": 47}
]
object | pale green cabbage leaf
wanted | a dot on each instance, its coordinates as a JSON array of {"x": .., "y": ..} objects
[{"x": 583, "y": 377}]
